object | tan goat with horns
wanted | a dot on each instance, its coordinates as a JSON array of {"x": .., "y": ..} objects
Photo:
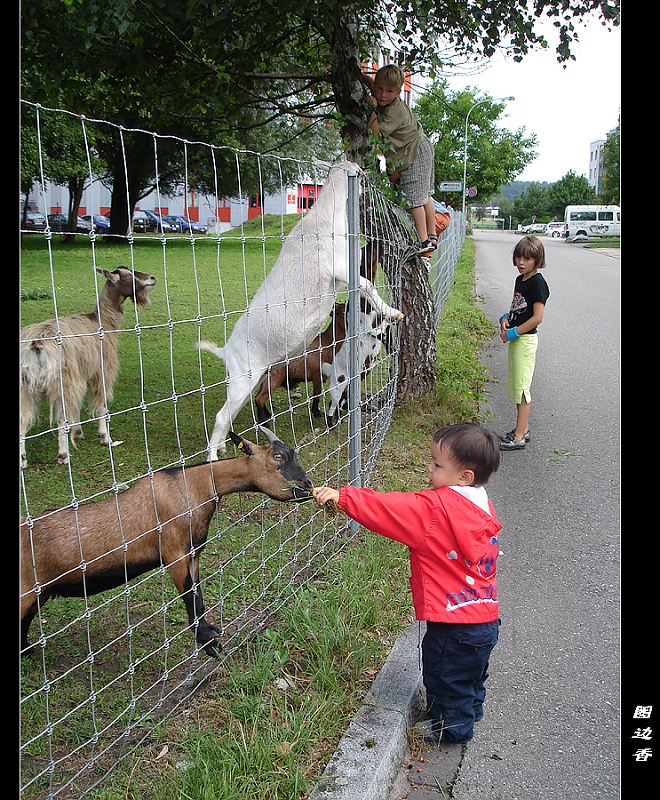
[{"x": 62, "y": 358}]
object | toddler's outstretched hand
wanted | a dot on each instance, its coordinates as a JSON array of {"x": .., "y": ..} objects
[{"x": 326, "y": 496}]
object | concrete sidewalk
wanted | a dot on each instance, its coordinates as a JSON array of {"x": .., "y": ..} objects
[{"x": 373, "y": 760}]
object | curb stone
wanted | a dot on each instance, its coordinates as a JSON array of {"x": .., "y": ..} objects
[{"x": 369, "y": 755}]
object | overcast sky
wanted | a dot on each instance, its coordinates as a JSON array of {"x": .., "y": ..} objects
[{"x": 567, "y": 108}]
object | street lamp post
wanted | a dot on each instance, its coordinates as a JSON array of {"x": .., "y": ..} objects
[{"x": 465, "y": 140}]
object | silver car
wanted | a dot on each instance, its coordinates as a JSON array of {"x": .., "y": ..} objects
[{"x": 557, "y": 230}]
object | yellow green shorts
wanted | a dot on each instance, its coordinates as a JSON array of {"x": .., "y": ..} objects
[{"x": 522, "y": 359}]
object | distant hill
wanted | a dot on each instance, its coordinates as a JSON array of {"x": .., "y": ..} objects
[{"x": 514, "y": 189}]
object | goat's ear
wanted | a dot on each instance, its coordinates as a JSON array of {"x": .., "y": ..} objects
[
  {"x": 241, "y": 443},
  {"x": 111, "y": 276}
]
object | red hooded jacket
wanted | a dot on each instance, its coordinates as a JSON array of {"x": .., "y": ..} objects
[{"x": 453, "y": 548}]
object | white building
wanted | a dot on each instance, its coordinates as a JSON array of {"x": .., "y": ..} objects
[
  {"x": 225, "y": 212},
  {"x": 596, "y": 165}
]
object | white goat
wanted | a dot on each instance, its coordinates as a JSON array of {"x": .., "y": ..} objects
[
  {"x": 369, "y": 342},
  {"x": 61, "y": 358},
  {"x": 293, "y": 302}
]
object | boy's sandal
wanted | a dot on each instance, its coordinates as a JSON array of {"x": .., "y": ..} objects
[
  {"x": 509, "y": 442},
  {"x": 434, "y": 240},
  {"x": 425, "y": 247},
  {"x": 512, "y": 435}
]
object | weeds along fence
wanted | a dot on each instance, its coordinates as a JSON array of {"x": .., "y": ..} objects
[{"x": 106, "y": 667}]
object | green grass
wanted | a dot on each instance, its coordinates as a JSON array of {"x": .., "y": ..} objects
[
  {"x": 269, "y": 719},
  {"x": 604, "y": 241}
]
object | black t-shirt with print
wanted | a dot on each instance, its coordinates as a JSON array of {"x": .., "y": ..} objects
[{"x": 525, "y": 294}]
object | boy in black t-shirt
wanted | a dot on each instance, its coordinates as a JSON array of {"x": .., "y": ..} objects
[{"x": 518, "y": 329}]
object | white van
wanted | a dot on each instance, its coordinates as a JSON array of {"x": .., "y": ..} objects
[{"x": 592, "y": 221}]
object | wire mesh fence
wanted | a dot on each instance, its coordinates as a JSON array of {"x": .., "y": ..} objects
[{"x": 117, "y": 647}]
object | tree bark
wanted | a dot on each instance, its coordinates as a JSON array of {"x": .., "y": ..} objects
[
  {"x": 393, "y": 228},
  {"x": 76, "y": 188},
  {"x": 417, "y": 336},
  {"x": 138, "y": 171},
  {"x": 349, "y": 89}
]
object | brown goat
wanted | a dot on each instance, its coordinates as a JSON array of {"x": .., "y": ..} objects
[
  {"x": 162, "y": 519},
  {"x": 62, "y": 358}
]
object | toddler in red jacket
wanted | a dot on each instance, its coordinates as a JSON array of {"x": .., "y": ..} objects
[{"x": 452, "y": 534}]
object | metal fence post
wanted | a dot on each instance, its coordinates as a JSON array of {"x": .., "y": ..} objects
[{"x": 354, "y": 413}]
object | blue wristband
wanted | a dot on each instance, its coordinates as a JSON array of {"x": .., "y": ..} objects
[{"x": 512, "y": 333}]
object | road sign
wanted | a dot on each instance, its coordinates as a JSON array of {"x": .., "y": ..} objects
[
  {"x": 472, "y": 191},
  {"x": 451, "y": 186}
]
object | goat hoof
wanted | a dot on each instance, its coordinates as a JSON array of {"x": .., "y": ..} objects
[
  {"x": 62, "y": 458},
  {"x": 213, "y": 648}
]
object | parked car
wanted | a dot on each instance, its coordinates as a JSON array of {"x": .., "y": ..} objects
[
  {"x": 33, "y": 221},
  {"x": 58, "y": 222},
  {"x": 535, "y": 227},
  {"x": 101, "y": 223},
  {"x": 154, "y": 221},
  {"x": 139, "y": 222},
  {"x": 185, "y": 224},
  {"x": 556, "y": 229}
]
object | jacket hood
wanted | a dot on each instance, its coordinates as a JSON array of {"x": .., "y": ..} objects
[{"x": 470, "y": 525}]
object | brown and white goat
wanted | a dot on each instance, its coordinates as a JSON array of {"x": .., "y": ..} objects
[
  {"x": 307, "y": 367},
  {"x": 315, "y": 364},
  {"x": 373, "y": 332},
  {"x": 163, "y": 519},
  {"x": 62, "y": 358}
]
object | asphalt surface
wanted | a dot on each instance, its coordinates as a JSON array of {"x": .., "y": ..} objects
[{"x": 551, "y": 727}]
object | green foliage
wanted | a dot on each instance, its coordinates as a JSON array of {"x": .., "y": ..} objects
[
  {"x": 261, "y": 75},
  {"x": 495, "y": 155},
  {"x": 572, "y": 189},
  {"x": 611, "y": 191}
]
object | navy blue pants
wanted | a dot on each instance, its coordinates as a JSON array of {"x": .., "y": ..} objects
[{"x": 454, "y": 669}]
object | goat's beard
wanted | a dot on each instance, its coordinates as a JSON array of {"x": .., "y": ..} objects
[{"x": 144, "y": 298}]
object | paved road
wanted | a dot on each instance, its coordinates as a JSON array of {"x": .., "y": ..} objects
[{"x": 551, "y": 728}]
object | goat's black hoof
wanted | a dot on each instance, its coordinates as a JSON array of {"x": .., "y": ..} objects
[
  {"x": 209, "y": 639},
  {"x": 213, "y": 648}
]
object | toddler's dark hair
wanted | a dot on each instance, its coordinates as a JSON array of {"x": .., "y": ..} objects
[
  {"x": 530, "y": 247},
  {"x": 472, "y": 446}
]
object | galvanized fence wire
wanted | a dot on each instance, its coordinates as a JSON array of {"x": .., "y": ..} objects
[{"x": 106, "y": 666}]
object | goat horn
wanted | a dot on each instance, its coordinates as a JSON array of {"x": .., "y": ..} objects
[{"x": 272, "y": 437}]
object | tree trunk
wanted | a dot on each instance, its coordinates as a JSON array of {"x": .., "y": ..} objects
[
  {"x": 394, "y": 229},
  {"x": 76, "y": 188},
  {"x": 349, "y": 89},
  {"x": 139, "y": 167},
  {"x": 417, "y": 335}
]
